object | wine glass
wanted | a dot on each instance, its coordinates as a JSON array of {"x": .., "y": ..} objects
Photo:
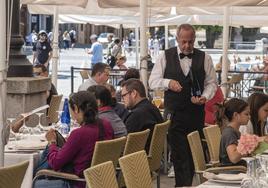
[
  {"x": 40, "y": 126},
  {"x": 9, "y": 123},
  {"x": 58, "y": 124},
  {"x": 158, "y": 95},
  {"x": 262, "y": 171},
  {"x": 24, "y": 129},
  {"x": 250, "y": 181}
]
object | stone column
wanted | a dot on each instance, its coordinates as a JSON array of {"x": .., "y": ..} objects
[
  {"x": 26, "y": 94},
  {"x": 19, "y": 65}
]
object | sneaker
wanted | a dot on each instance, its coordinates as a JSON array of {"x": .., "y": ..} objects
[{"x": 171, "y": 173}]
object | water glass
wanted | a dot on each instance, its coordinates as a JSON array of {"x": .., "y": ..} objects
[
  {"x": 39, "y": 125},
  {"x": 250, "y": 181}
]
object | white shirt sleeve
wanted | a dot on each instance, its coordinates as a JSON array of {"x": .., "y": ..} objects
[
  {"x": 210, "y": 83},
  {"x": 157, "y": 79}
]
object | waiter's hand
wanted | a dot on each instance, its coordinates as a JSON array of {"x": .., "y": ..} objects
[
  {"x": 174, "y": 86},
  {"x": 199, "y": 100}
]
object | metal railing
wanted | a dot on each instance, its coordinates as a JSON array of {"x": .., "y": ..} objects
[
  {"x": 238, "y": 88},
  {"x": 116, "y": 75}
]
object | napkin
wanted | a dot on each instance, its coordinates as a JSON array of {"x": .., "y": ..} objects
[
  {"x": 31, "y": 145},
  {"x": 225, "y": 177}
]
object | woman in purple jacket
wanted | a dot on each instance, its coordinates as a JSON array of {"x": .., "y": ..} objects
[{"x": 78, "y": 149}]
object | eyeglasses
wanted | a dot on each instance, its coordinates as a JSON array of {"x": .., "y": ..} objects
[
  {"x": 37, "y": 73},
  {"x": 123, "y": 95}
]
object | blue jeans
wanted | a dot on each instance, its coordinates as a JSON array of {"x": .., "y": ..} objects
[
  {"x": 45, "y": 183},
  {"x": 42, "y": 162}
]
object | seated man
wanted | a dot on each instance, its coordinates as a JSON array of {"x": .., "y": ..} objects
[
  {"x": 143, "y": 114},
  {"x": 41, "y": 70},
  {"x": 99, "y": 76}
]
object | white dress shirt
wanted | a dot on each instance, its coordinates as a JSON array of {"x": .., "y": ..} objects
[
  {"x": 157, "y": 79},
  {"x": 89, "y": 82}
]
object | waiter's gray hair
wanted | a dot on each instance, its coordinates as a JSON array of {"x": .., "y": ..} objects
[{"x": 185, "y": 27}]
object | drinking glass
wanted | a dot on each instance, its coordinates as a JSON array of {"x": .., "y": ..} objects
[
  {"x": 40, "y": 126},
  {"x": 58, "y": 124},
  {"x": 9, "y": 123},
  {"x": 250, "y": 181},
  {"x": 24, "y": 129},
  {"x": 158, "y": 95},
  {"x": 262, "y": 171}
]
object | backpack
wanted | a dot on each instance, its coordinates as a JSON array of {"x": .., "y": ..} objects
[
  {"x": 111, "y": 60},
  {"x": 71, "y": 34}
]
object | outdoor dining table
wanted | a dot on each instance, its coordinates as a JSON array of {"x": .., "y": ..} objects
[
  {"x": 210, "y": 184},
  {"x": 24, "y": 152},
  {"x": 15, "y": 158}
]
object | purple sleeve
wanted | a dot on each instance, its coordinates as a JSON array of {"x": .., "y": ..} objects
[{"x": 57, "y": 158}]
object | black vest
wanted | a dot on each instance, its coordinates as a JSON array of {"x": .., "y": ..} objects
[{"x": 178, "y": 101}]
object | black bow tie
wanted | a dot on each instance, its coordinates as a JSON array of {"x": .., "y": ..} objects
[{"x": 183, "y": 56}]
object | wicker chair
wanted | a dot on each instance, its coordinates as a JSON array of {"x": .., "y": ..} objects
[
  {"x": 108, "y": 150},
  {"x": 52, "y": 114},
  {"x": 199, "y": 159},
  {"x": 234, "y": 85},
  {"x": 136, "y": 171},
  {"x": 12, "y": 176},
  {"x": 85, "y": 74},
  {"x": 213, "y": 138},
  {"x": 101, "y": 176},
  {"x": 135, "y": 142},
  {"x": 157, "y": 147}
]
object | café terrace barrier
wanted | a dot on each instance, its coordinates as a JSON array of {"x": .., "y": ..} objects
[
  {"x": 240, "y": 83},
  {"x": 115, "y": 77}
]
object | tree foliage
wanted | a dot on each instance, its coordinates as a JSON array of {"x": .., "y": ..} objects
[{"x": 212, "y": 33}]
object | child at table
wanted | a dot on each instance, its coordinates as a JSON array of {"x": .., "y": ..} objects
[{"x": 236, "y": 111}]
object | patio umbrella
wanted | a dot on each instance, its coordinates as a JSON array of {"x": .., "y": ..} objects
[
  {"x": 181, "y": 3},
  {"x": 80, "y": 3},
  {"x": 2, "y": 83},
  {"x": 225, "y": 4}
]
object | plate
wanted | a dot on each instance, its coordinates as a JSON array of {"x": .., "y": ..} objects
[
  {"x": 225, "y": 181},
  {"x": 31, "y": 146}
]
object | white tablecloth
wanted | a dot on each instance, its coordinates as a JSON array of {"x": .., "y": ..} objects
[
  {"x": 14, "y": 158},
  {"x": 209, "y": 184}
]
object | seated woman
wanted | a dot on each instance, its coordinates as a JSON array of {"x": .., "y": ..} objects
[
  {"x": 104, "y": 100},
  {"x": 119, "y": 108},
  {"x": 258, "y": 104},
  {"x": 79, "y": 147},
  {"x": 236, "y": 111}
]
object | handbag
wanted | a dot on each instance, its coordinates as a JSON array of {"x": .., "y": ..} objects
[{"x": 111, "y": 60}]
